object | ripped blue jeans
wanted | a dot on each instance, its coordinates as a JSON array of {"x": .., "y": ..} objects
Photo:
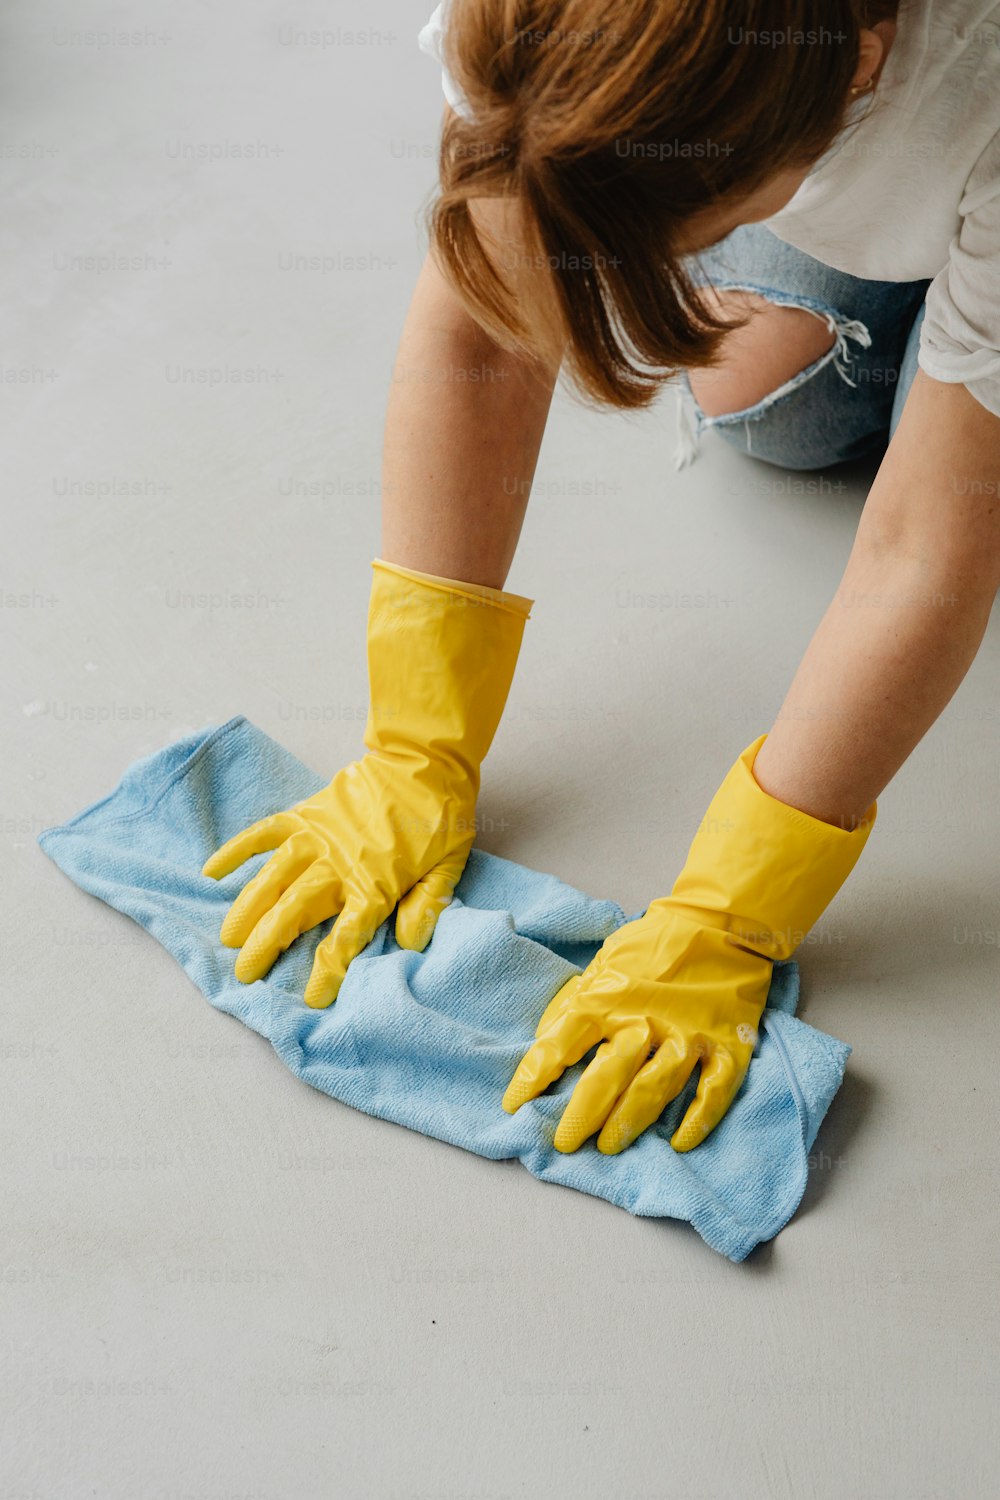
[{"x": 846, "y": 404}]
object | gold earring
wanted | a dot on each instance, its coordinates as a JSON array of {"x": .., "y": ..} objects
[{"x": 861, "y": 88}]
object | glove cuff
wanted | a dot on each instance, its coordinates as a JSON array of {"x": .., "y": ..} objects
[
  {"x": 516, "y": 603},
  {"x": 766, "y": 869},
  {"x": 441, "y": 659}
]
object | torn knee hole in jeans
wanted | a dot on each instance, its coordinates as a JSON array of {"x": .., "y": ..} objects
[{"x": 691, "y": 420}]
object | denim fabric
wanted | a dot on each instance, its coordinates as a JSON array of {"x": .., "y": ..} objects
[
  {"x": 907, "y": 368},
  {"x": 843, "y": 405}
]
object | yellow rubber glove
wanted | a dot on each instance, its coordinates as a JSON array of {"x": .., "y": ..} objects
[
  {"x": 688, "y": 980},
  {"x": 397, "y": 825}
]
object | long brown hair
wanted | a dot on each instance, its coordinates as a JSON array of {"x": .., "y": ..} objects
[{"x": 610, "y": 124}]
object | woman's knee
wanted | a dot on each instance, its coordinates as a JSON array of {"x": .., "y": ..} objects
[{"x": 776, "y": 344}]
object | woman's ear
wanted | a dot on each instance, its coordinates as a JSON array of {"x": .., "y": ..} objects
[{"x": 872, "y": 49}]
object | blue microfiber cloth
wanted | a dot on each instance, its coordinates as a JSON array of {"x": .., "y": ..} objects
[{"x": 430, "y": 1040}]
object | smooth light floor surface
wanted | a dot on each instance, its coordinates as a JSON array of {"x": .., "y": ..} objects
[{"x": 266, "y": 1296}]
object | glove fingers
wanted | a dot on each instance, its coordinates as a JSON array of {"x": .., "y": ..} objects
[
  {"x": 655, "y": 1084},
  {"x": 721, "y": 1079},
  {"x": 262, "y": 892},
  {"x": 418, "y": 912},
  {"x": 548, "y": 1058},
  {"x": 353, "y": 930},
  {"x": 603, "y": 1081},
  {"x": 309, "y": 900},
  {"x": 258, "y": 839},
  {"x": 558, "y": 1004}
]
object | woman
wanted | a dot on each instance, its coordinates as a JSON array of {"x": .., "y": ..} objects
[{"x": 795, "y": 208}]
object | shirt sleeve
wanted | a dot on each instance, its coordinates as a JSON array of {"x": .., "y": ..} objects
[
  {"x": 960, "y": 335},
  {"x": 431, "y": 41}
]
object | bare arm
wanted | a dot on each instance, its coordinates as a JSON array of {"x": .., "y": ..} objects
[
  {"x": 908, "y": 617},
  {"x": 464, "y": 425}
]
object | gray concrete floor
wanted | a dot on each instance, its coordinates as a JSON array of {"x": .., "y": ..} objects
[{"x": 287, "y": 1300}]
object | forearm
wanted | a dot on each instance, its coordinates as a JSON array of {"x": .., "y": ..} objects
[
  {"x": 464, "y": 425},
  {"x": 907, "y": 619},
  {"x": 886, "y": 659}
]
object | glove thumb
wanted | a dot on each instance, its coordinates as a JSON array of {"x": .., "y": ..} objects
[{"x": 418, "y": 912}]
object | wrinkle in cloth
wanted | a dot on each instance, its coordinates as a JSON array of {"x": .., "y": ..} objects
[{"x": 430, "y": 1040}]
